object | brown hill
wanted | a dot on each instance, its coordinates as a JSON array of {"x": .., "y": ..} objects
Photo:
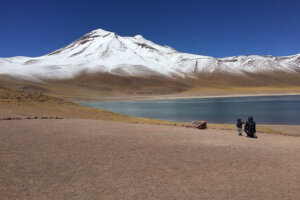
[{"x": 101, "y": 85}]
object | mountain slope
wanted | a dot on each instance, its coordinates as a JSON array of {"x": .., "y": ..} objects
[{"x": 101, "y": 51}]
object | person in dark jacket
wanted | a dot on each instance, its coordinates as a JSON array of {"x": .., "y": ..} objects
[
  {"x": 239, "y": 125},
  {"x": 250, "y": 128}
]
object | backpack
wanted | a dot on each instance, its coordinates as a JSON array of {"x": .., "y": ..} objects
[{"x": 252, "y": 128}]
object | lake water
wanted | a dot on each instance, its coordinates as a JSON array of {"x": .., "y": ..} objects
[{"x": 264, "y": 109}]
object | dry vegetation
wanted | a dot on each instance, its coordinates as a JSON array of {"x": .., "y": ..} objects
[
  {"x": 24, "y": 104},
  {"x": 28, "y": 98},
  {"x": 18, "y": 104}
]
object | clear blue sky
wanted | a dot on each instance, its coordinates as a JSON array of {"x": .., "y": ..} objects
[{"x": 216, "y": 28}]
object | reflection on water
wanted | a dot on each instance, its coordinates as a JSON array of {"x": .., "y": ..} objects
[{"x": 265, "y": 109}]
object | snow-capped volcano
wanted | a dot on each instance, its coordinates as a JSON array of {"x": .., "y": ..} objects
[{"x": 103, "y": 51}]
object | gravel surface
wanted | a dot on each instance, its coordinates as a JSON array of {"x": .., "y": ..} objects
[{"x": 93, "y": 159}]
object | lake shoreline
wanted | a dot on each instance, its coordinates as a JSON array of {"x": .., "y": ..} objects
[
  {"x": 175, "y": 97},
  {"x": 26, "y": 107},
  {"x": 262, "y": 107}
]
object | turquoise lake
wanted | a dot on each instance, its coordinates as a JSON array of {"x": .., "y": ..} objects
[{"x": 264, "y": 109}]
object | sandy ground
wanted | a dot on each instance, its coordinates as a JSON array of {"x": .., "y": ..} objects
[{"x": 93, "y": 159}]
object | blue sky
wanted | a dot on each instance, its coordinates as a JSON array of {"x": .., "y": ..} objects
[{"x": 217, "y": 28}]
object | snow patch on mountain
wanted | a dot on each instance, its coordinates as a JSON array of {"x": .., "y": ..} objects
[{"x": 104, "y": 51}]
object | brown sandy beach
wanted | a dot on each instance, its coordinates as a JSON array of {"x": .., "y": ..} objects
[{"x": 94, "y": 159}]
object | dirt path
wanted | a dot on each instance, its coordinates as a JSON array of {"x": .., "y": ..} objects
[{"x": 92, "y": 159}]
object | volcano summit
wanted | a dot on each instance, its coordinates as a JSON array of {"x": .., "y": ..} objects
[{"x": 106, "y": 52}]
